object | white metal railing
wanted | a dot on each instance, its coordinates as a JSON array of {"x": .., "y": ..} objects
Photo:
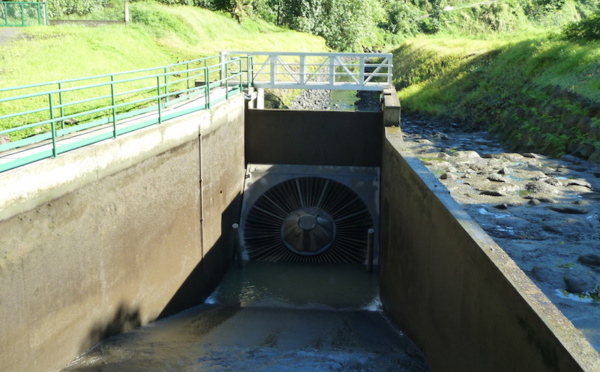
[{"x": 336, "y": 71}]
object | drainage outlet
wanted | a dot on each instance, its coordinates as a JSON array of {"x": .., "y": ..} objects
[{"x": 308, "y": 213}]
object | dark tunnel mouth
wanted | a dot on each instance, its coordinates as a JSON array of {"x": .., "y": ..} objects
[{"x": 308, "y": 219}]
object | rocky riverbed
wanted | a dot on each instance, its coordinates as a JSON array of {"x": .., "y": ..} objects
[{"x": 544, "y": 212}]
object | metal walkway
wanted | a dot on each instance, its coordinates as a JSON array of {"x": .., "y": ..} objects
[{"x": 41, "y": 121}]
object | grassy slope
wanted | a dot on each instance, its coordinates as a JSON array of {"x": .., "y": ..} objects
[
  {"x": 504, "y": 85},
  {"x": 158, "y": 36}
]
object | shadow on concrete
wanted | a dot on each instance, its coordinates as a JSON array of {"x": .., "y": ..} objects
[
  {"x": 125, "y": 318},
  {"x": 209, "y": 272}
]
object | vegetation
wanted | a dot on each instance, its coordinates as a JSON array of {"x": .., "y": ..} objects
[
  {"x": 159, "y": 35},
  {"x": 527, "y": 69}
]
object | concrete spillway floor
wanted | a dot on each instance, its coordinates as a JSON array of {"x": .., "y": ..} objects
[{"x": 269, "y": 317}]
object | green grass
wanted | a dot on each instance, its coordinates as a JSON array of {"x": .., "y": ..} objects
[
  {"x": 159, "y": 35},
  {"x": 507, "y": 85}
]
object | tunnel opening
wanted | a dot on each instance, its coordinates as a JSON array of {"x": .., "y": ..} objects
[{"x": 309, "y": 214}]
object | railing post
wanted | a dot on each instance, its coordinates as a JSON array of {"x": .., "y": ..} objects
[
  {"x": 226, "y": 82},
  {"x": 302, "y": 69},
  {"x": 159, "y": 99},
  {"x": 240, "y": 75},
  {"x": 113, "y": 101},
  {"x": 332, "y": 70},
  {"x": 187, "y": 79},
  {"x": 222, "y": 59},
  {"x": 362, "y": 70},
  {"x": 52, "y": 125},
  {"x": 39, "y": 13},
  {"x": 250, "y": 71},
  {"x": 206, "y": 85},
  {"x": 166, "y": 72},
  {"x": 45, "y": 13},
  {"x": 60, "y": 102},
  {"x": 273, "y": 62},
  {"x": 22, "y": 15}
]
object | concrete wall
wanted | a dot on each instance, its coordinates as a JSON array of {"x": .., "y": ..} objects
[
  {"x": 314, "y": 137},
  {"x": 114, "y": 235},
  {"x": 454, "y": 291}
]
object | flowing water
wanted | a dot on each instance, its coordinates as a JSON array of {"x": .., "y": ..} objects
[{"x": 269, "y": 317}]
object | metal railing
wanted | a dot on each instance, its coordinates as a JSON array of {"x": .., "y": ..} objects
[
  {"x": 38, "y": 118},
  {"x": 20, "y": 14},
  {"x": 335, "y": 71}
]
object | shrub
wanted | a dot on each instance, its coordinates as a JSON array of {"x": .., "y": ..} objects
[{"x": 586, "y": 29}]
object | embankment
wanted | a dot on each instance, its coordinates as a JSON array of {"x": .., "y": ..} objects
[{"x": 539, "y": 94}]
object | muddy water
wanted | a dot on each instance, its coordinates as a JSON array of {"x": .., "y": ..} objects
[{"x": 269, "y": 317}]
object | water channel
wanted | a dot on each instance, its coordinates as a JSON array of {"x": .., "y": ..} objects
[{"x": 269, "y": 317}]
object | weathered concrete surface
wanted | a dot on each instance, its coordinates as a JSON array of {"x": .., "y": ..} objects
[
  {"x": 455, "y": 292},
  {"x": 314, "y": 137},
  {"x": 108, "y": 237}
]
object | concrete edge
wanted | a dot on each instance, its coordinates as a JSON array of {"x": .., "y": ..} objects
[
  {"x": 28, "y": 186},
  {"x": 565, "y": 332}
]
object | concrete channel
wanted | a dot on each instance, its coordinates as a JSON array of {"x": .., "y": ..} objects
[{"x": 113, "y": 236}]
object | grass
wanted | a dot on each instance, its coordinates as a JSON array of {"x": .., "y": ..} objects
[
  {"x": 159, "y": 35},
  {"x": 507, "y": 85}
]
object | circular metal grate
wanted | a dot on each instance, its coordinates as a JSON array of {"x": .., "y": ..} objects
[{"x": 308, "y": 219}]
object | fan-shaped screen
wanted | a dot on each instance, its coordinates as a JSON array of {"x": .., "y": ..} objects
[{"x": 308, "y": 219}]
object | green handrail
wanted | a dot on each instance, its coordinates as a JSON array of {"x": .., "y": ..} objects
[
  {"x": 37, "y": 116},
  {"x": 21, "y": 14}
]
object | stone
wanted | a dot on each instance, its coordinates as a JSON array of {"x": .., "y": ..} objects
[
  {"x": 579, "y": 182},
  {"x": 571, "y": 159},
  {"x": 590, "y": 260},
  {"x": 448, "y": 176},
  {"x": 585, "y": 150},
  {"x": 491, "y": 193},
  {"x": 545, "y": 275},
  {"x": 4, "y": 139},
  {"x": 532, "y": 155},
  {"x": 495, "y": 178},
  {"x": 579, "y": 280},
  {"x": 467, "y": 154},
  {"x": 553, "y": 182},
  {"x": 569, "y": 210},
  {"x": 534, "y": 201},
  {"x": 504, "y": 171},
  {"x": 540, "y": 187}
]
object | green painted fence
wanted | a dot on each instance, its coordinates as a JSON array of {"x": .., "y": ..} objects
[
  {"x": 44, "y": 120},
  {"x": 21, "y": 14}
]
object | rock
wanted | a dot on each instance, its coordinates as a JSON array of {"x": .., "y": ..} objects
[
  {"x": 590, "y": 260},
  {"x": 491, "y": 193},
  {"x": 534, "y": 201},
  {"x": 569, "y": 210},
  {"x": 467, "y": 154},
  {"x": 546, "y": 275},
  {"x": 4, "y": 139},
  {"x": 495, "y": 178},
  {"x": 448, "y": 176},
  {"x": 501, "y": 206},
  {"x": 504, "y": 171},
  {"x": 571, "y": 159},
  {"x": 553, "y": 182},
  {"x": 579, "y": 182},
  {"x": 540, "y": 188},
  {"x": 579, "y": 280},
  {"x": 531, "y": 155},
  {"x": 585, "y": 150}
]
